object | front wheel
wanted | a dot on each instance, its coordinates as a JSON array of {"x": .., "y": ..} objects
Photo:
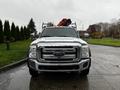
[
  {"x": 33, "y": 73},
  {"x": 85, "y": 72}
]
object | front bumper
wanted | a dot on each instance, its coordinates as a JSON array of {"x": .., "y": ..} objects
[{"x": 59, "y": 67}]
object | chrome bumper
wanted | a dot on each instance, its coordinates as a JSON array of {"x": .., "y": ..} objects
[{"x": 59, "y": 67}]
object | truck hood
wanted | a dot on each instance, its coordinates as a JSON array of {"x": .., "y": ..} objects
[{"x": 54, "y": 40}]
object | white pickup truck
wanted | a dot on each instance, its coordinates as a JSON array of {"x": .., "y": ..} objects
[{"x": 59, "y": 49}]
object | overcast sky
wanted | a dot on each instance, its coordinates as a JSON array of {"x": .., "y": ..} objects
[{"x": 84, "y": 12}]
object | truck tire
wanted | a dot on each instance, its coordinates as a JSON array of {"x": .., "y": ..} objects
[
  {"x": 86, "y": 71},
  {"x": 33, "y": 73}
]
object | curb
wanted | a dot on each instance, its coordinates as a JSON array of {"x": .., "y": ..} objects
[
  {"x": 105, "y": 45},
  {"x": 12, "y": 65}
]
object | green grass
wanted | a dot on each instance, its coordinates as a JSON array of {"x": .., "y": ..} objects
[
  {"x": 105, "y": 41},
  {"x": 17, "y": 51}
]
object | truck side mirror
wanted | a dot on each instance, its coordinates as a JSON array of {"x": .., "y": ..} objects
[
  {"x": 78, "y": 34},
  {"x": 40, "y": 35}
]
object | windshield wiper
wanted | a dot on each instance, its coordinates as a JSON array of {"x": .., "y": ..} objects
[{"x": 63, "y": 36}]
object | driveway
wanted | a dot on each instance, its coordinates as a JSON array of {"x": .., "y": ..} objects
[{"x": 104, "y": 75}]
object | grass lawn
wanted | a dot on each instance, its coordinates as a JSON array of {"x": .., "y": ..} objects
[
  {"x": 17, "y": 51},
  {"x": 105, "y": 41}
]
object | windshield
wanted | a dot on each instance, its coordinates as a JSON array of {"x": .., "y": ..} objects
[{"x": 59, "y": 32}]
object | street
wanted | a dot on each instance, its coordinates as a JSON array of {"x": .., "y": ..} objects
[{"x": 104, "y": 75}]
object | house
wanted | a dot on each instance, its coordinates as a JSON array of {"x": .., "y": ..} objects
[{"x": 83, "y": 33}]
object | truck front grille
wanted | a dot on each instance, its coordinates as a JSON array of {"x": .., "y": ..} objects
[{"x": 59, "y": 54}]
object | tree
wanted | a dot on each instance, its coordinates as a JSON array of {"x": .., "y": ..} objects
[
  {"x": 22, "y": 33},
  {"x": 27, "y": 32},
  {"x": 13, "y": 32},
  {"x": 17, "y": 36},
  {"x": 7, "y": 30},
  {"x": 1, "y": 33},
  {"x": 31, "y": 26}
]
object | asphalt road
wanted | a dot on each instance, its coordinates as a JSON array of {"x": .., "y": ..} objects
[{"x": 104, "y": 75}]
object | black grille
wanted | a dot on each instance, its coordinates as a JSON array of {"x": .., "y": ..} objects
[{"x": 59, "y": 67}]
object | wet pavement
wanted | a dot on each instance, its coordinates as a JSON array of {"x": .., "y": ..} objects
[{"x": 104, "y": 75}]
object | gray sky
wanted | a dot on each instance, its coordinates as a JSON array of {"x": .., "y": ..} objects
[{"x": 84, "y": 12}]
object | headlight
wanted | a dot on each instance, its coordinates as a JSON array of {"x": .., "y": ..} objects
[
  {"x": 32, "y": 52},
  {"x": 85, "y": 51}
]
